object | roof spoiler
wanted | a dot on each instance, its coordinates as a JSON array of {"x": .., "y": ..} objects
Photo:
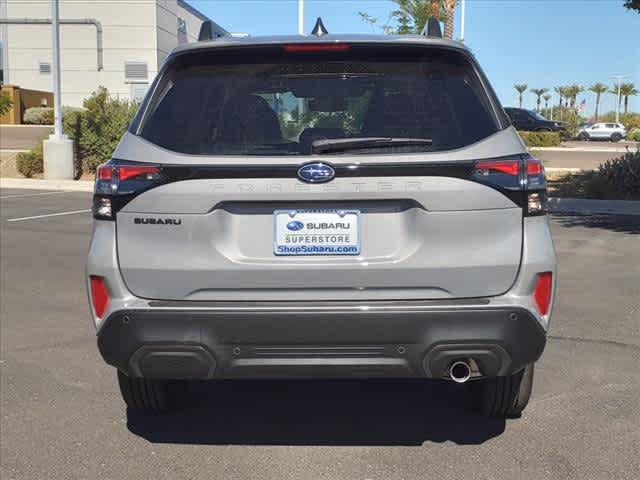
[{"x": 432, "y": 28}]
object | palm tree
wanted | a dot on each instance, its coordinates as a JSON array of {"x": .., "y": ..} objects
[
  {"x": 521, "y": 88},
  {"x": 560, "y": 92},
  {"x": 538, "y": 92},
  {"x": 572, "y": 93},
  {"x": 449, "y": 11},
  {"x": 627, "y": 90},
  {"x": 598, "y": 89},
  {"x": 546, "y": 97},
  {"x": 412, "y": 15}
]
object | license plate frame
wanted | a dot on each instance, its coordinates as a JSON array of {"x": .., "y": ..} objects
[{"x": 301, "y": 247}]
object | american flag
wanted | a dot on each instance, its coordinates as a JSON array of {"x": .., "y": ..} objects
[{"x": 582, "y": 105}]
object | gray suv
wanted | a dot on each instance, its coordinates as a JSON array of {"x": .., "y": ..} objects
[{"x": 322, "y": 206}]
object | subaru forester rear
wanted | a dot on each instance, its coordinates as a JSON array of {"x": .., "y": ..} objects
[{"x": 306, "y": 207}]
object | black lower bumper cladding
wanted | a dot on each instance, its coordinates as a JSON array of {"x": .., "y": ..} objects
[{"x": 203, "y": 344}]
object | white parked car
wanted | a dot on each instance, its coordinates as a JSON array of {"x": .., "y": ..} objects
[{"x": 602, "y": 131}]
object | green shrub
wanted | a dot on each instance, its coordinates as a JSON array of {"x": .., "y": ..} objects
[
  {"x": 541, "y": 139},
  {"x": 30, "y": 163},
  {"x": 634, "y": 136},
  {"x": 623, "y": 174},
  {"x": 44, "y": 115},
  {"x": 95, "y": 130},
  {"x": 98, "y": 129},
  {"x": 5, "y": 103},
  {"x": 596, "y": 186},
  {"x": 38, "y": 116}
]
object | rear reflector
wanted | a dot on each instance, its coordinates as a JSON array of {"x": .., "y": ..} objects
[
  {"x": 316, "y": 47},
  {"x": 99, "y": 296},
  {"x": 534, "y": 166},
  {"x": 542, "y": 292},
  {"x": 105, "y": 172}
]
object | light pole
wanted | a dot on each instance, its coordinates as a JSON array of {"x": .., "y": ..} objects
[
  {"x": 462, "y": 11},
  {"x": 57, "y": 149},
  {"x": 618, "y": 78},
  {"x": 55, "y": 53},
  {"x": 301, "y": 17}
]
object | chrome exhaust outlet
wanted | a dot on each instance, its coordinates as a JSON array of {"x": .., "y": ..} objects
[{"x": 460, "y": 371}]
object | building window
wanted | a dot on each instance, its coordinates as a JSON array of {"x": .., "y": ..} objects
[
  {"x": 44, "y": 68},
  {"x": 135, "y": 72}
]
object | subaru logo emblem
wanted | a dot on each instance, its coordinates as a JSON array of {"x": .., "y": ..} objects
[
  {"x": 295, "y": 225},
  {"x": 316, "y": 173}
]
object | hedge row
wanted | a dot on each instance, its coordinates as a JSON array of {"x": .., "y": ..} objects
[{"x": 541, "y": 139}]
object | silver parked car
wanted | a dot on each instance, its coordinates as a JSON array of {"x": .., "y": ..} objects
[
  {"x": 322, "y": 206},
  {"x": 613, "y": 132}
]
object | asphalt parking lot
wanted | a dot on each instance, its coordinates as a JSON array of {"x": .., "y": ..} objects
[{"x": 62, "y": 416}]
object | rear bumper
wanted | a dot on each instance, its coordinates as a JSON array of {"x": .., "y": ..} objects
[{"x": 392, "y": 339}]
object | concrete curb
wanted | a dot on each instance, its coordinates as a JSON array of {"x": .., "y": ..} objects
[
  {"x": 584, "y": 150},
  {"x": 564, "y": 170},
  {"x": 589, "y": 206},
  {"x": 37, "y": 184}
]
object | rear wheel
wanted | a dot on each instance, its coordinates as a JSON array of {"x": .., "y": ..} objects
[
  {"x": 583, "y": 136},
  {"x": 503, "y": 396},
  {"x": 616, "y": 137},
  {"x": 149, "y": 394}
]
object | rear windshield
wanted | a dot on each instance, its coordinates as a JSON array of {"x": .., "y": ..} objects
[{"x": 274, "y": 102}]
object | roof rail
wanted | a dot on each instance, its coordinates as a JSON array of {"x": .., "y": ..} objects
[
  {"x": 432, "y": 28},
  {"x": 206, "y": 31},
  {"x": 319, "y": 30}
]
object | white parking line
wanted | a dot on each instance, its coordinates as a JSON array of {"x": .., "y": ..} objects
[
  {"x": 21, "y": 219},
  {"x": 24, "y": 195}
]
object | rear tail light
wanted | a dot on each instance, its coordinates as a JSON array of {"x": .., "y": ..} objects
[
  {"x": 117, "y": 183},
  {"x": 512, "y": 176},
  {"x": 316, "y": 47},
  {"x": 99, "y": 295},
  {"x": 507, "y": 167},
  {"x": 542, "y": 292}
]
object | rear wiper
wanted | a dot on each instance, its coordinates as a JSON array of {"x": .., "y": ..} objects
[{"x": 344, "y": 144}]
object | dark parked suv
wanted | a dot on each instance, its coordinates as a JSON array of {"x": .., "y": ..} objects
[
  {"x": 532, "y": 121},
  {"x": 322, "y": 206}
]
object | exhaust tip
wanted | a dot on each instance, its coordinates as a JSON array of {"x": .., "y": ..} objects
[{"x": 460, "y": 371}]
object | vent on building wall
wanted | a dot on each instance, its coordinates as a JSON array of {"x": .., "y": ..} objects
[
  {"x": 45, "y": 68},
  {"x": 135, "y": 71}
]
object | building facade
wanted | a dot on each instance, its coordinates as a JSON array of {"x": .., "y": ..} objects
[{"x": 117, "y": 44}]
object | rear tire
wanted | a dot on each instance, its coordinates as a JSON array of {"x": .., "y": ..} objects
[
  {"x": 583, "y": 137},
  {"x": 151, "y": 395},
  {"x": 616, "y": 137},
  {"x": 503, "y": 396}
]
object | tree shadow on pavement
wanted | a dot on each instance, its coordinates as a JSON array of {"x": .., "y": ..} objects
[
  {"x": 617, "y": 223},
  {"x": 322, "y": 412}
]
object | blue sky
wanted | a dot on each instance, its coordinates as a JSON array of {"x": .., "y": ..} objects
[{"x": 543, "y": 43}]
